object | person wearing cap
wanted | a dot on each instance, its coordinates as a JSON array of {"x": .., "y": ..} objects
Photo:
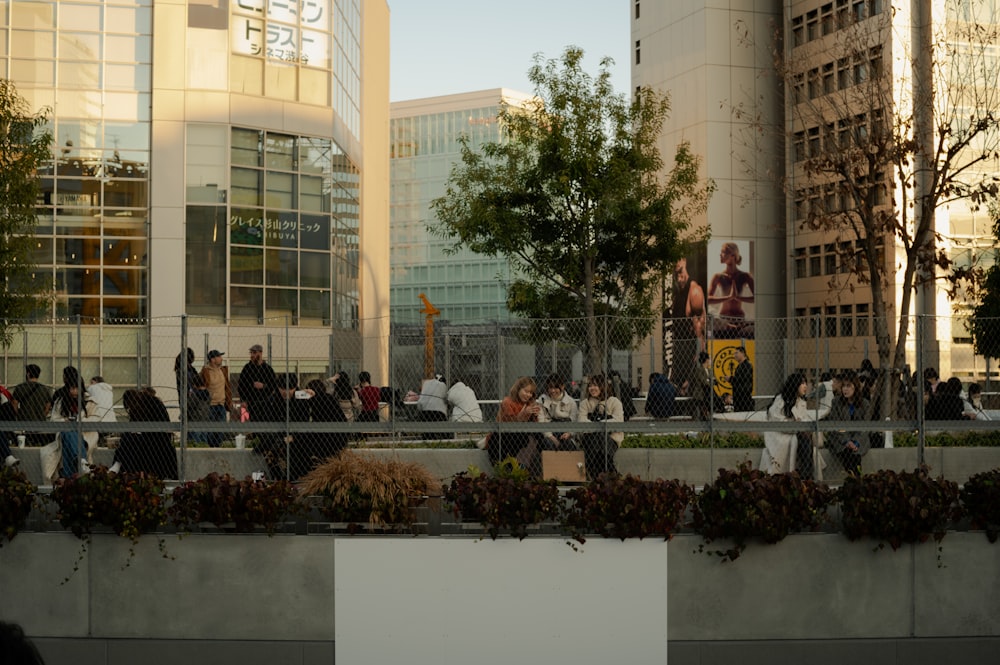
[
  {"x": 220, "y": 393},
  {"x": 256, "y": 383},
  {"x": 32, "y": 401}
]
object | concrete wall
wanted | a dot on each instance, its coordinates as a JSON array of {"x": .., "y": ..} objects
[
  {"x": 254, "y": 599},
  {"x": 693, "y": 466}
]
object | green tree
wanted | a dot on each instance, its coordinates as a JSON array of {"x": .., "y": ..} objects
[
  {"x": 573, "y": 196},
  {"x": 24, "y": 146}
]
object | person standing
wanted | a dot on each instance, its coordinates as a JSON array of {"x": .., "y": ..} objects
[
  {"x": 702, "y": 397},
  {"x": 66, "y": 404},
  {"x": 257, "y": 381},
  {"x": 220, "y": 393},
  {"x": 32, "y": 401},
  {"x": 742, "y": 382}
]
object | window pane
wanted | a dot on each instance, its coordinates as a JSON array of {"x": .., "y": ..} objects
[
  {"x": 205, "y": 263},
  {"x": 246, "y": 226},
  {"x": 282, "y": 267},
  {"x": 315, "y": 232},
  {"x": 247, "y": 303},
  {"x": 246, "y": 149},
  {"x": 315, "y": 270},
  {"x": 248, "y": 187},
  {"x": 247, "y": 265}
]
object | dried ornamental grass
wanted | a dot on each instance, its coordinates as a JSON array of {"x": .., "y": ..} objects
[{"x": 357, "y": 487}]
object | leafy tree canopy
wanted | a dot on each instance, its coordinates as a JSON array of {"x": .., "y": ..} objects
[
  {"x": 573, "y": 196},
  {"x": 24, "y": 146}
]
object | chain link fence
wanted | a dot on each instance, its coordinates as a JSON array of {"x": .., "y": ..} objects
[{"x": 707, "y": 380}]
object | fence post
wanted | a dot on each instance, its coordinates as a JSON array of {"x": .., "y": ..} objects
[
  {"x": 81, "y": 455},
  {"x": 183, "y": 390},
  {"x": 919, "y": 397}
]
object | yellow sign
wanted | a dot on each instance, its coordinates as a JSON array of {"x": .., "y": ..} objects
[{"x": 722, "y": 354}]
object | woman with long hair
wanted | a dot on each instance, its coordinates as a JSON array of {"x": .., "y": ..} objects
[
  {"x": 850, "y": 405},
  {"x": 151, "y": 452},
  {"x": 785, "y": 452},
  {"x": 188, "y": 378},
  {"x": 66, "y": 406},
  {"x": 519, "y": 406},
  {"x": 599, "y": 405}
]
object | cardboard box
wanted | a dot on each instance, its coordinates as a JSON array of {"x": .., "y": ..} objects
[{"x": 566, "y": 466}]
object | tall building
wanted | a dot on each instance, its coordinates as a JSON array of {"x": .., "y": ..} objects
[
  {"x": 468, "y": 288},
  {"x": 226, "y": 161},
  {"x": 847, "y": 75}
]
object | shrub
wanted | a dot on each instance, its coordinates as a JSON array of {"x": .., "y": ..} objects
[
  {"x": 980, "y": 497},
  {"x": 897, "y": 507},
  {"x": 357, "y": 488},
  {"x": 221, "y": 500},
  {"x": 129, "y": 503},
  {"x": 17, "y": 496},
  {"x": 509, "y": 501},
  {"x": 627, "y": 507},
  {"x": 747, "y": 503}
]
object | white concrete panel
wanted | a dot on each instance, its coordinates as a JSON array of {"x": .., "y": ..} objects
[
  {"x": 256, "y": 111},
  {"x": 720, "y": 35},
  {"x": 169, "y": 23},
  {"x": 168, "y": 104},
  {"x": 490, "y": 601},
  {"x": 207, "y": 106}
]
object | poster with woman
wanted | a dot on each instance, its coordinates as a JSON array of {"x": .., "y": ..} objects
[{"x": 730, "y": 292}]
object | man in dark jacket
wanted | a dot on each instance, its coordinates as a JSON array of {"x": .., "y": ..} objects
[
  {"x": 257, "y": 382},
  {"x": 284, "y": 405},
  {"x": 742, "y": 382},
  {"x": 660, "y": 398}
]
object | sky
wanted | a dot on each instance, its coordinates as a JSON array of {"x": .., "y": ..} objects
[{"x": 443, "y": 47}]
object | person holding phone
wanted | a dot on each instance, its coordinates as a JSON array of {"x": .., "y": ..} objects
[{"x": 519, "y": 406}]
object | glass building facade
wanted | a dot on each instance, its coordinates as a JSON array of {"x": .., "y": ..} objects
[
  {"x": 215, "y": 147},
  {"x": 468, "y": 288}
]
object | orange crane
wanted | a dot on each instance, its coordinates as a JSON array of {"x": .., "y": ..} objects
[{"x": 430, "y": 311}]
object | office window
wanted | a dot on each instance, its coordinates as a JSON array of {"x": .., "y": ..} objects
[
  {"x": 815, "y": 261},
  {"x": 637, "y": 8},
  {"x": 826, "y": 12},
  {"x": 799, "y": 146},
  {"x": 831, "y": 322},
  {"x": 812, "y": 25},
  {"x": 830, "y": 261},
  {"x": 861, "y": 320},
  {"x": 846, "y": 321},
  {"x": 801, "y": 323},
  {"x": 638, "y": 55},
  {"x": 798, "y": 32},
  {"x": 800, "y": 262},
  {"x": 814, "y": 321}
]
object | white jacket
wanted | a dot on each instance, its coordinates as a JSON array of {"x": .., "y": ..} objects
[
  {"x": 780, "y": 448},
  {"x": 464, "y": 405}
]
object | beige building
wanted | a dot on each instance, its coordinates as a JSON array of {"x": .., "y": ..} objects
[
  {"x": 227, "y": 162},
  {"x": 762, "y": 145}
]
